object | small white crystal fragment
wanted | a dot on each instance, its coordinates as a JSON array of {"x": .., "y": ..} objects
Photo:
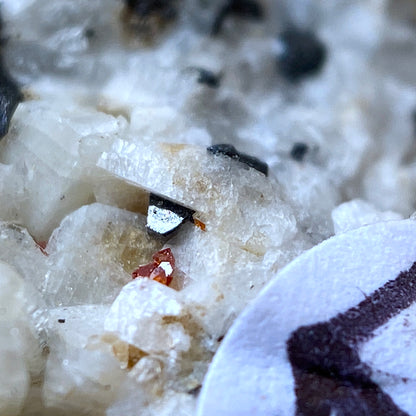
[{"x": 146, "y": 314}]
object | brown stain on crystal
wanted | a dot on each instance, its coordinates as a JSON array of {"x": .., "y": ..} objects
[{"x": 172, "y": 149}]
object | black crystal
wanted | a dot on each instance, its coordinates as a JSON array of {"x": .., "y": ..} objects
[
  {"x": 10, "y": 96},
  {"x": 165, "y": 216},
  {"x": 231, "y": 152},
  {"x": 146, "y": 8},
  {"x": 303, "y": 54},
  {"x": 208, "y": 78},
  {"x": 299, "y": 151},
  {"x": 248, "y": 9}
]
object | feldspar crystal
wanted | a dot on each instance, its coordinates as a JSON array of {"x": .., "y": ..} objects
[
  {"x": 81, "y": 376},
  {"x": 20, "y": 352},
  {"x": 55, "y": 161},
  {"x": 141, "y": 313},
  {"x": 94, "y": 266}
]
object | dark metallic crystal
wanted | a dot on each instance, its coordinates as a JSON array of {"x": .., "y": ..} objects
[
  {"x": 165, "y": 216},
  {"x": 10, "y": 96},
  {"x": 231, "y": 152}
]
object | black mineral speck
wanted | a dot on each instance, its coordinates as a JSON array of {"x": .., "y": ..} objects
[
  {"x": 10, "y": 96},
  {"x": 231, "y": 152},
  {"x": 165, "y": 216},
  {"x": 145, "y": 8},
  {"x": 299, "y": 151},
  {"x": 89, "y": 33},
  {"x": 248, "y": 9},
  {"x": 208, "y": 78},
  {"x": 195, "y": 391},
  {"x": 303, "y": 54}
]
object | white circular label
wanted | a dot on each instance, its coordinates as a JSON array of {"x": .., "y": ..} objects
[{"x": 333, "y": 334}]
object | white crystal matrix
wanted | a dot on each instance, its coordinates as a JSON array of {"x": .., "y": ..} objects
[{"x": 109, "y": 117}]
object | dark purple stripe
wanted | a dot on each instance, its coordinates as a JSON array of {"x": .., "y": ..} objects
[{"x": 325, "y": 361}]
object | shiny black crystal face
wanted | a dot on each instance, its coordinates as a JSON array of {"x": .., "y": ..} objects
[
  {"x": 303, "y": 54},
  {"x": 247, "y": 9},
  {"x": 10, "y": 96},
  {"x": 299, "y": 151},
  {"x": 231, "y": 152},
  {"x": 165, "y": 216}
]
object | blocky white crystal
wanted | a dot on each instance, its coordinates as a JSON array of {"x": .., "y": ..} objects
[
  {"x": 92, "y": 254},
  {"x": 20, "y": 354},
  {"x": 142, "y": 314}
]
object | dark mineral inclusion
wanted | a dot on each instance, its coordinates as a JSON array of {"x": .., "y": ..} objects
[
  {"x": 145, "y": 8},
  {"x": 303, "y": 54},
  {"x": 10, "y": 96},
  {"x": 248, "y": 9},
  {"x": 231, "y": 152},
  {"x": 208, "y": 78},
  {"x": 299, "y": 151},
  {"x": 165, "y": 216},
  {"x": 326, "y": 366}
]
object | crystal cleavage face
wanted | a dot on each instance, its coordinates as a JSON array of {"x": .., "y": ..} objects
[{"x": 331, "y": 335}]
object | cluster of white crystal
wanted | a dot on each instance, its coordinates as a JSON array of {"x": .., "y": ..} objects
[{"x": 106, "y": 123}]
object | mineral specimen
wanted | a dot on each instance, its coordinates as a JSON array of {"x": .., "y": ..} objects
[
  {"x": 160, "y": 270},
  {"x": 122, "y": 100},
  {"x": 164, "y": 216}
]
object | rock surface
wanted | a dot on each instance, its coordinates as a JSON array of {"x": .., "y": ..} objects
[{"x": 121, "y": 102}]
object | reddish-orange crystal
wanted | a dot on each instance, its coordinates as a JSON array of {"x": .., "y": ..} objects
[
  {"x": 199, "y": 224},
  {"x": 157, "y": 271},
  {"x": 42, "y": 246},
  {"x": 164, "y": 255}
]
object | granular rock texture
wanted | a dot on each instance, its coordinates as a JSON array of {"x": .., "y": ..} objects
[{"x": 120, "y": 102}]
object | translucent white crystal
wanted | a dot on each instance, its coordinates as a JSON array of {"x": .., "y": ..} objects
[
  {"x": 18, "y": 249},
  {"x": 94, "y": 266},
  {"x": 21, "y": 360},
  {"x": 145, "y": 314},
  {"x": 224, "y": 192},
  {"x": 43, "y": 150},
  {"x": 79, "y": 380}
]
